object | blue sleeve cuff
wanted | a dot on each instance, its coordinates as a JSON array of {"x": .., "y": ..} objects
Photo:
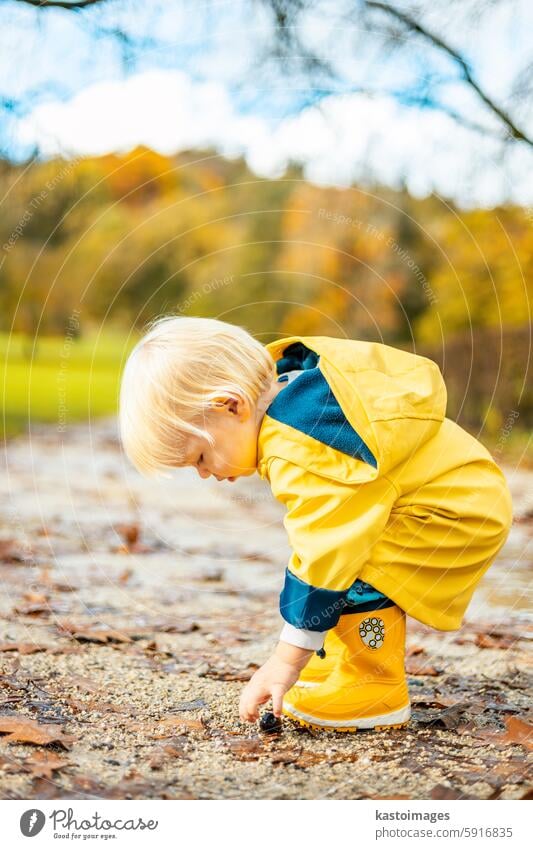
[
  {"x": 314, "y": 609},
  {"x": 308, "y": 607}
]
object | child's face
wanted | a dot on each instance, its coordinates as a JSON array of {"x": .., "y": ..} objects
[{"x": 235, "y": 428}]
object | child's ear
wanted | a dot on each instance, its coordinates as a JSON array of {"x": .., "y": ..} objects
[
  {"x": 237, "y": 406},
  {"x": 228, "y": 404}
]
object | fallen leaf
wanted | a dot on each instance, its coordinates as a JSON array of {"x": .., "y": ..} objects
[
  {"x": 36, "y": 598},
  {"x": 486, "y": 641},
  {"x": 11, "y": 552},
  {"x": 163, "y": 754},
  {"x": 93, "y": 634},
  {"x": 181, "y": 722},
  {"x": 411, "y": 650},
  {"x": 309, "y": 758},
  {"x": 22, "y": 648},
  {"x": 110, "y": 707},
  {"x": 213, "y": 575},
  {"x": 83, "y": 683},
  {"x": 442, "y": 791},
  {"x": 245, "y": 748},
  {"x": 449, "y": 718},
  {"x": 21, "y": 729},
  {"x": 58, "y": 586},
  {"x": 130, "y": 533},
  {"x": 43, "y": 764},
  {"x": 285, "y": 756},
  {"x": 36, "y": 608},
  {"x": 229, "y": 674},
  {"x": 184, "y": 627},
  {"x": 416, "y": 667},
  {"x": 434, "y": 702},
  {"x": 519, "y": 732}
]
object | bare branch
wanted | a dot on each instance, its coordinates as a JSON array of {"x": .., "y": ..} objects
[
  {"x": 438, "y": 42},
  {"x": 61, "y": 4}
]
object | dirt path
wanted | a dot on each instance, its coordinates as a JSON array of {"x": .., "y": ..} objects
[{"x": 132, "y": 611}]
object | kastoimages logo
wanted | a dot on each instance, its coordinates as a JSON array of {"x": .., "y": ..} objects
[{"x": 31, "y": 822}]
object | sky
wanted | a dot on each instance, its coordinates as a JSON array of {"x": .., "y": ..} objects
[{"x": 199, "y": 80}]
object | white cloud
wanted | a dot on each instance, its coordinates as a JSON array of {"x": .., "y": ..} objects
[{"x": 345, "y": 139}]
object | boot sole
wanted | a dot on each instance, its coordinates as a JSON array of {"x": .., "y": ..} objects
[{"x": 397, "y": 719}]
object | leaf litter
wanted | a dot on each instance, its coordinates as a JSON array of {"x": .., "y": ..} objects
[{"x": 124, "y": 705}]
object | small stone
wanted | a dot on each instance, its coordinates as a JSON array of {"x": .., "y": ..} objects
[{"x": 270, "y": 724}]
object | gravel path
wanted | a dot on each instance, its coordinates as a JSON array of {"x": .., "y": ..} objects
[{"x": 132, "y": 611}]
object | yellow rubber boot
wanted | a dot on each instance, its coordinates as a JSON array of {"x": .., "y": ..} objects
[
  {"x": 367, "y": 687},
  {"x": 320, "y": 668}
]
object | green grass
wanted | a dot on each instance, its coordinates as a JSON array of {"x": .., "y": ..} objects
[
  {"x": 59, "y": 380},
  {"x": 37, "y": 380}
]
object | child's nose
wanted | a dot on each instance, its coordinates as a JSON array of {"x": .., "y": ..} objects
[{"x": 203, "y": 473}]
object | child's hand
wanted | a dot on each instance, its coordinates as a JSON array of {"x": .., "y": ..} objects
[{"x": 272, "y": 680}]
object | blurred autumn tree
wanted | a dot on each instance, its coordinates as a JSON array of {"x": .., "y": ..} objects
[{"x": 122, "y": 239}]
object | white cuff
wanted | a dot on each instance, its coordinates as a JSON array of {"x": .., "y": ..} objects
[{"x": 302, "y": 638}]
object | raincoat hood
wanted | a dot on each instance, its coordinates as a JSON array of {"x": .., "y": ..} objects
[{"x": 394, "y": 400}]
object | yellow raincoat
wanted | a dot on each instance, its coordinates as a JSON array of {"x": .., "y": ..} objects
[{"x": 379, "y": 485}]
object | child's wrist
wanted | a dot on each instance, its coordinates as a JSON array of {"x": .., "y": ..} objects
[{"x": 293, "y": 655}]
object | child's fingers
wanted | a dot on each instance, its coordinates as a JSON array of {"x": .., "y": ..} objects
[
  {"x": 277, "y": 700},
  {"x": 248, "y": 709}
]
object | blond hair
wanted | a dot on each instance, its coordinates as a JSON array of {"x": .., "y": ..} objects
[{"x": 172, "y": 378}]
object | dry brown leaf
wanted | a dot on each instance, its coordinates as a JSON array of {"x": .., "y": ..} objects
[
  {"x": 518, "y": 731},
  {"x": 36, "y": 598},
  {"x": 49, "y": 582},
  {"x": 310, "y": 758},
  {"x": 12, "y": 552},
  {"x": 439, "y": 701},
  {"x": 132, "y": 543},
  {"x": 93, "y": 634},
  {"x": 109, "y": 707},
  {"x": 130, "y": 533},
  {"x": 245, "y": 748},
  {"x": 75, "y": 704},
  {"x": 163, "y": 754},
  {"x": 486, "y": 641},
  {"x": 442, "y": 791},
  {"x": 173, "y": 723},
  {"x": 21, "y": 729},
  {"x": 417, "y": 667},
  {"x": 307, "y": 758},
  {"x": 22, "y": 648},
  {"x": 43, "y": 764},
  {"x": 183, "y": 627},
  {"x": 286, "y": 755},
  {"x": 230, "y": 674},
  {"x": 449, "y": 718},
  {"x": 411, "y": 650},
  {"x": 83, "y": 683},
  {"x": 38, "y": 608}
]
